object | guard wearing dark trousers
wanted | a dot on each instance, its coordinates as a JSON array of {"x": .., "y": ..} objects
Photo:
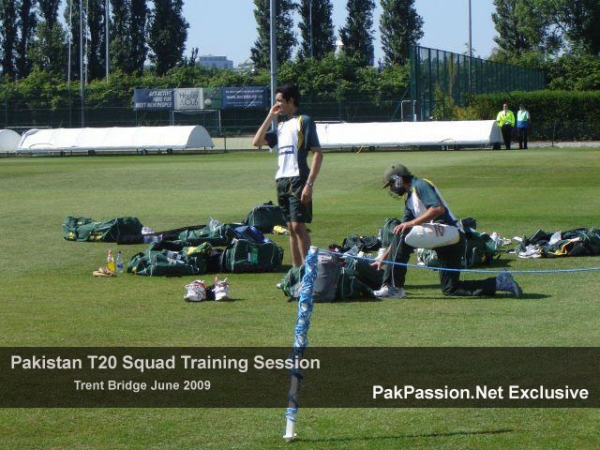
[
  {"x": 523, "y": 119},
  {"x": 506, "y": 122}
]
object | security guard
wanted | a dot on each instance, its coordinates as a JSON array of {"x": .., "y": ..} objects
[{"x": 506, "y": 121}]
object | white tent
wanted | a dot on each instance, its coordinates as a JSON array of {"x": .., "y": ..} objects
[
  {"x": 9, "y": 140},
  {"x": 404, "y": 134},
  {"x": 115, "y": 139}
]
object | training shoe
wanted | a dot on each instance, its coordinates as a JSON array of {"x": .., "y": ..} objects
[
  {"x": 506, "y": 283},
  {"x": 196, "y": 291},
  {"x": 390, "y": 292},
  {"x": 221, "y": 289}
]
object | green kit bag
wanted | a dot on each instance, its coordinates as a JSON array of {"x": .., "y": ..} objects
[
  {"x": 221, "y": 234},
  {"x": 265, "y": 217},
  {"x": 167, "y": 259},
  {"x": 481, "y": 249},
  {"x": 246, "y": 256},
  {"x": 123, "y": 230}
]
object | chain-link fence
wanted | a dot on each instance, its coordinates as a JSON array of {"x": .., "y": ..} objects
[
  {"x": 232, "y": 129},
  {"x": 438, "y": 76},
  {"x": 23, "y": 116}
]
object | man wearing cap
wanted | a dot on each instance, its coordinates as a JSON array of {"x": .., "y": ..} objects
[
  {"x": 424, "y": 204},
  {"x": 506, "y": 121}
]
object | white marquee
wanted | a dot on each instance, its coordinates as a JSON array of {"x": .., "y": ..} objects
[
  {"x": 404, "y": 134},
  {"x": 114, "y": 139},
  {"x": 9, "y": 140}
]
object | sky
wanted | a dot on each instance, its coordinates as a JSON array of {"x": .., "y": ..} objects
[{"x": 228, "y": 28}]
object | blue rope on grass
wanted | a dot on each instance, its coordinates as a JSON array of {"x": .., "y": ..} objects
[{"x": 417, "y": 266}]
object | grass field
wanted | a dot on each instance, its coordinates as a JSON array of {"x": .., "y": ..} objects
[{"x": 49, "y": 297}]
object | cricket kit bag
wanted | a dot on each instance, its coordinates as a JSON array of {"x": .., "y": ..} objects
[
  {"x": 329, "y": 269},
  {"x": 363, "y": 243},
  {"x": 292, "y": 282},
  {"x": 265, "y": 217},
  {"x": 219, "y": 235},
  {"x": 246, "y": 256},
  {"x": 335, "y": 281},
  {"x": 122, "y": 230},
  {"x": 169, "y": 259}
]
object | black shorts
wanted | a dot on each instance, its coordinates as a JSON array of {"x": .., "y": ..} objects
[{"x": 289, "y": 192}]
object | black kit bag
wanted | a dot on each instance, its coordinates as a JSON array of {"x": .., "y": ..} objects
[{"x": 363, "y": 243}]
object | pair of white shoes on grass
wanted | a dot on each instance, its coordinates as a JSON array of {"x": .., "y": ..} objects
[{"x": 198, "y": 292}]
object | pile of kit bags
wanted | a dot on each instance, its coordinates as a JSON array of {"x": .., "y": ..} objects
[{"x": 213, "y": 248}]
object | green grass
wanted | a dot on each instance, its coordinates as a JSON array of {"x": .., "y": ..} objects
[{"x": 49, "y": 297}]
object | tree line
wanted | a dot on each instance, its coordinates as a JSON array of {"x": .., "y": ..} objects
[
  {"x": 32, "y": 36},
  {"x": 558, "y": 36}
]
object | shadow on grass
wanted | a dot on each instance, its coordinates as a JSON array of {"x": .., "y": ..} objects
[
  {"x": 415, "y": 288},
  {"x": 413, "y": 436}
]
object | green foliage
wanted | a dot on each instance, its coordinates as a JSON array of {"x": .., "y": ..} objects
[
  {"x": 342, "y": 78},
  {"x": 116, "y": 93},
  {"x": 579, "y": 19},
  {"x": 285, "y": 36},
  {"x": 444, "y": 105},
  {"x": 465, "y": 113},
  {"x": 316, "y": 29},
  {"x": 544, "y": 105},
  {"x": 73, "y": 20},
  {"x": 26, "y": 23},
  {"x": 137, "y": 34},
  {"x": 545, "y": 29},
  {"x": 574, "y": 73},
  {"x": 128, "y": 48},
  {"x": 329, "y": 79},
  {"x": 338, "y": 88},
  {"x": 96, "y": 54},
  {"x": 525, "y": 26},
  {"x": 565, "y": 112},
  {"x": 400, "y": 27},
  {"x": 49, "y": 51},
  {"x": 357, "y": 34},
  {"x": 8, "y": 38},
  {"x": 167, "y": 34},
  {"x": 49, "y": 11}
]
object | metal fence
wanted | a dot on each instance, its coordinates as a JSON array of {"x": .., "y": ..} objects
[
  {"x": 232, "y": 128},
  {"x": 437, "y": 75},
  {"x": 16, "y": 113}
]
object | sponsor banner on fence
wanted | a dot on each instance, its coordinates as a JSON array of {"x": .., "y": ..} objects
[
  {"x": 153, "y": 99},
  {"x": 213, "y": 98},
  {"x": 245, "y": 97},
  {"x": 189, "y": 99}
]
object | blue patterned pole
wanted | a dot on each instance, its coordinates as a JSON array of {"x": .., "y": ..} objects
[{"x": 305, "y": 306}]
